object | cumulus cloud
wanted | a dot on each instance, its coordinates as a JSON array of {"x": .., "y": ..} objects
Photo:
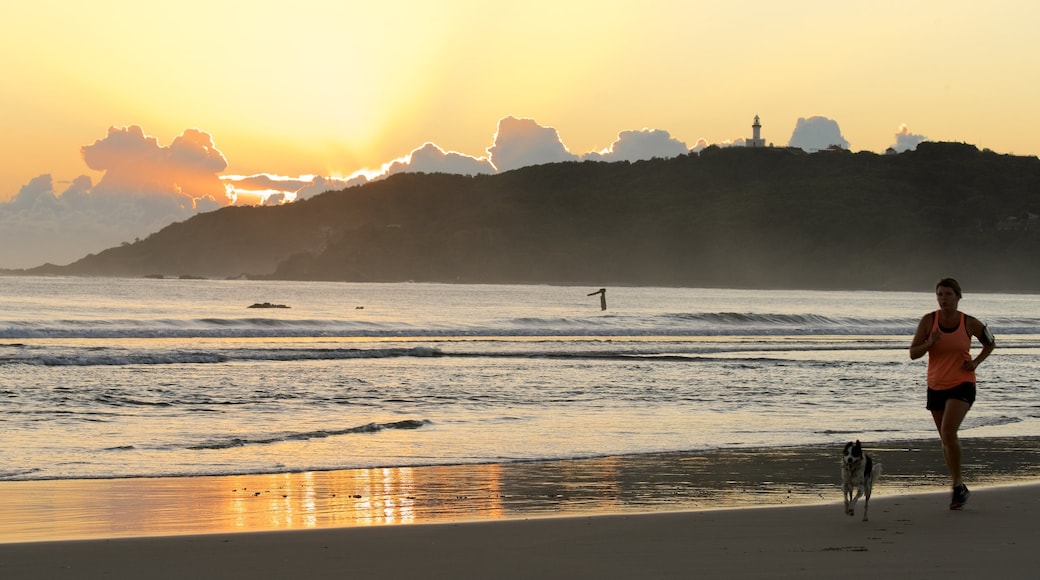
[
  {"x": 145, "y": 187},
  {"x": 150, "y": 185},
  {"x": 268, "y": 189},
  {"x": 639, "y": 145},
  {"x": 522, "y": 142},
  {"x": 432, "y": 159},
  {"x": 266, "y": 182},
  {"x": 907, "y": 141},
  {"x": 36, "y": 195},
  {"x": 321, "y": 184},
  {"x": 817, "y": 133},
  {"x": 700, "y": 145},
  {"x": 41, "y": 224},
  {"x": 136, "y": 165}
]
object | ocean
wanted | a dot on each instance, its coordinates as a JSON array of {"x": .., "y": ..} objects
[{"x": 120, "y": 378}]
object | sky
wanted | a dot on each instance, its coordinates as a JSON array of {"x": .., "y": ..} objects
[{"x": 118, "y": 117}]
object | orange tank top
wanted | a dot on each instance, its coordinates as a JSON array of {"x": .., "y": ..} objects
[{"x": 946, "y": 357}]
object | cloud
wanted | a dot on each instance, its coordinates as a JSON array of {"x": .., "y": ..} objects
[
  {"x": 268, "y": 189},
  {"x": 146, "y": 185},
  {"x": 135, "y": 165},
  {"x": 816, "y": 133},
  {"x": 322, "y": 184},
  {"x": 700, "y": 145},
  {"x": 266, "y": 182},
  {"x": 432, "y": 159},
  {"x": 907, "y": 141},
  {"x": 144, "y": 188},
  {"x": 522, "y": 142},
  {"x": 36, "y": 195},
  {"x": 42, "y": 225},
  {"x": 639, "y": 145}
]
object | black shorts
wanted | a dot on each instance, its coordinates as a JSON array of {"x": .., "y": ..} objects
[{"x": 962, "y": 392}]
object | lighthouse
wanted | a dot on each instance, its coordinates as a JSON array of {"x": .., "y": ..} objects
[{"x": 756, "y": 131}]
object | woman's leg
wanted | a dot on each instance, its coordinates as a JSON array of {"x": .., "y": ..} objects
[{"x": 948, "y": 422}]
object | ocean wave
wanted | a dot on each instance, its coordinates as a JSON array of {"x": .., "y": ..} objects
[
  {"x": 307, "y": 435},
  {"x": 611, "y": 324},
  {"x": 974, "y": 422},
  {"x": 598, "y": 348},
  {"x": 19, "y": 473},
  {"x": 548, "y": 351},
  {"x": 126, "y": 357},
  {"x": 116, "y": 401}
]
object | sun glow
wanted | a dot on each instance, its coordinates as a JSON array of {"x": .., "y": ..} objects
[{"x": 345, "y": 87}]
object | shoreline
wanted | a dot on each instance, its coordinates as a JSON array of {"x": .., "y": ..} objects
[
  {"x": 105, "y": 509},
  {"x": 912, "y": 535}
]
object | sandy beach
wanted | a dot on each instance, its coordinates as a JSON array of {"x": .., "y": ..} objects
[{"x": 751, "y": 513}]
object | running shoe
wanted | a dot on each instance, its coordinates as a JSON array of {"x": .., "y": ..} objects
[{"x": 960, "y": 496}]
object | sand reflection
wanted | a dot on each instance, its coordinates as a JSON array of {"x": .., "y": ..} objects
[{"x": 72, "y": 509}]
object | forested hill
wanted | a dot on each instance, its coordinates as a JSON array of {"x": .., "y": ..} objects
[{"x": 735, "y": 217}]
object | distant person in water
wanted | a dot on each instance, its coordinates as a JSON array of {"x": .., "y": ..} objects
[
  {"x": 945, "y": 335},
  {"x": 602, "y": 297}
]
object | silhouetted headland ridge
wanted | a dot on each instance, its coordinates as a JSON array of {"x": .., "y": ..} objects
[{"x": 733, "y": 217}]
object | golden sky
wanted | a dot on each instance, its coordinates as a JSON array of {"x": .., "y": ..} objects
[{"x": 333, "y": 87}]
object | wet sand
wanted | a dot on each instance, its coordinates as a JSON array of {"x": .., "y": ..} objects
[{"x": 650, "y": 515}]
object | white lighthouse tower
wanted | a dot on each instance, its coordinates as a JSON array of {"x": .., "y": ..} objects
[{"x": 756, "y": 140}]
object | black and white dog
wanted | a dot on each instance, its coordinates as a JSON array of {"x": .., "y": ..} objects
[{"x": 858, "y": 474}]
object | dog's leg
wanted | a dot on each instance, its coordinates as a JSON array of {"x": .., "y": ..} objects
[
  {"x": 846, "y": 488},
  {"x": 869, "y": 487},
  {"x": 852, "y": 504},
  {"x": 866, "y": 503}
]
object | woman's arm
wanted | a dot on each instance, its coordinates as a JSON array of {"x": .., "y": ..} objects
[
  {"x": 923, "y": 338},
  {"x": 977, "y": 329}
]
